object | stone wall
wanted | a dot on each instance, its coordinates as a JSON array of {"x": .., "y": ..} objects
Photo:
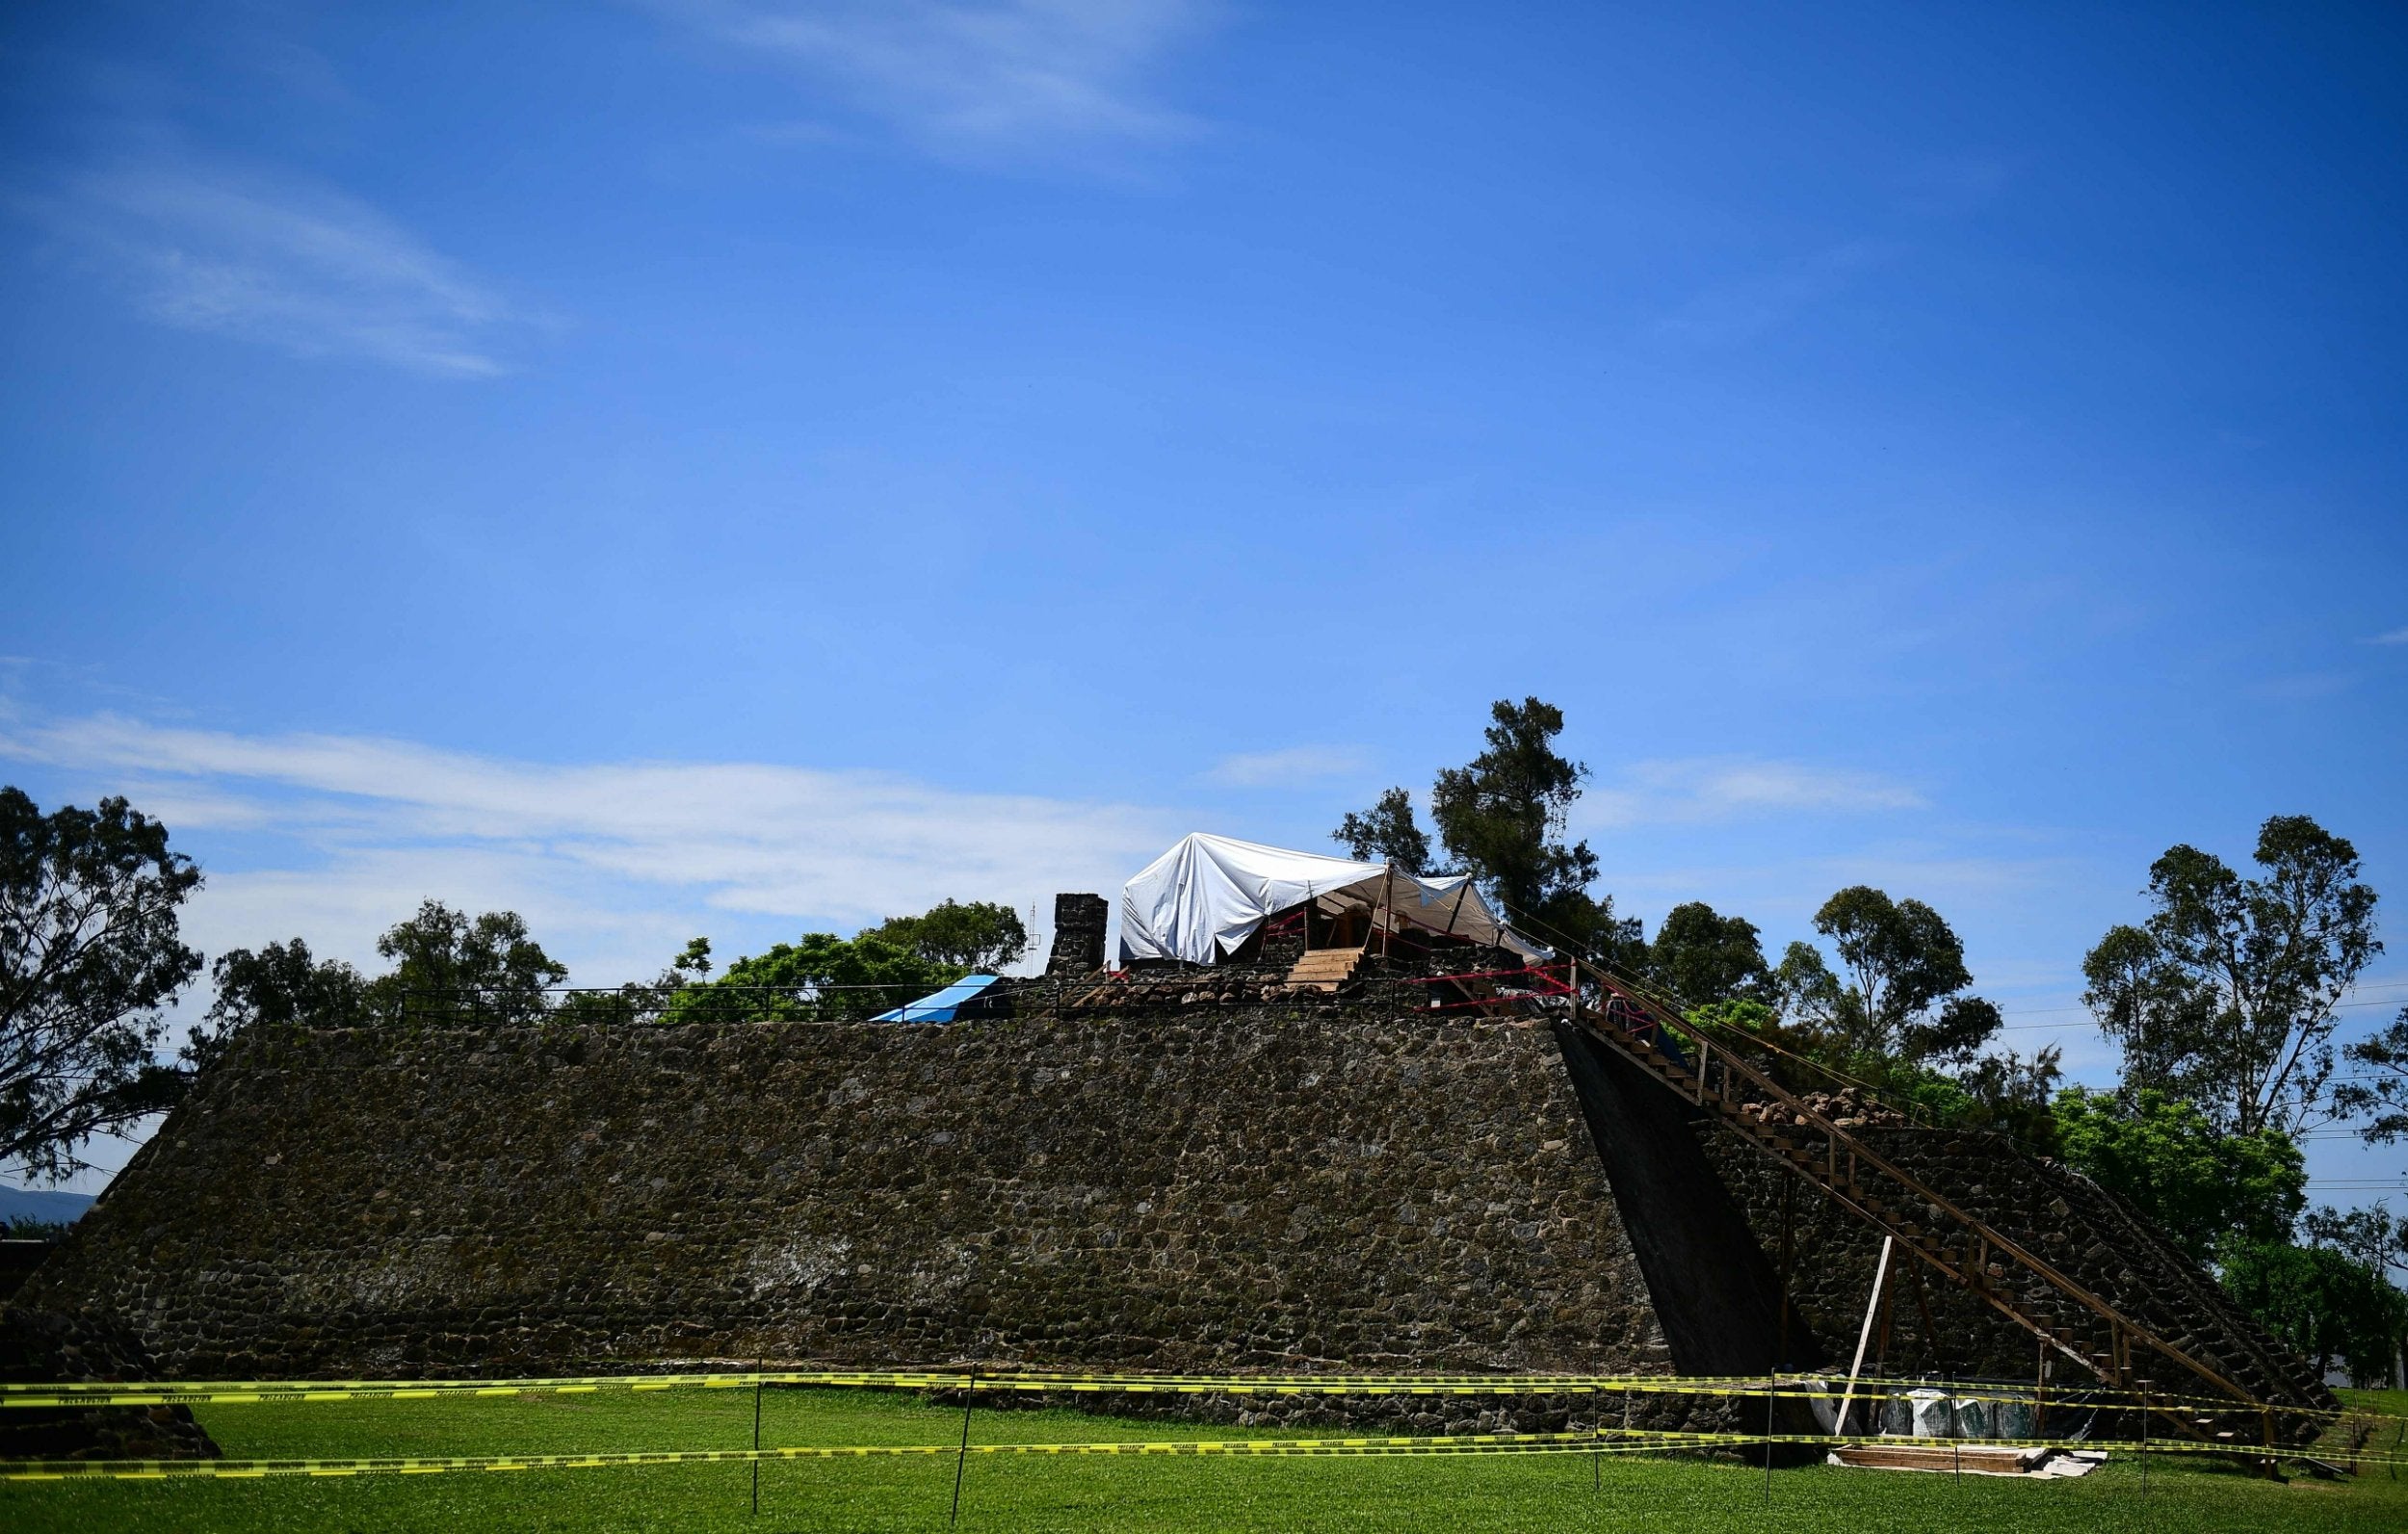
[
  {"x": 1224, "y": 1192},
  {"x": 1829, "y": 1256},
  {"x": 1219, "y": 1188},
  {"x": 2060, "y": 1216}
]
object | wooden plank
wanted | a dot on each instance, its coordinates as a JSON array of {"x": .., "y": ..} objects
[{"x": 1947, "y": 1458}]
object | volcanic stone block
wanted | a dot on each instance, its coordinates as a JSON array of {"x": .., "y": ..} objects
[{"x": 1079, "y": 924}]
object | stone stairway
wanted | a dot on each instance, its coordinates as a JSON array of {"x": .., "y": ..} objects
[
  {"x": 1325, "y": 969},
  {"x": 2167, "y": 1333}
]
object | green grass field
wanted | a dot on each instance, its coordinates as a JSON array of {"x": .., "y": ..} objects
[{"x": 1459, "y": 1493}]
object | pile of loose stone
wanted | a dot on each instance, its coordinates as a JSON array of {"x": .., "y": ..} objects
[{"x": 1846, "y": 1108}]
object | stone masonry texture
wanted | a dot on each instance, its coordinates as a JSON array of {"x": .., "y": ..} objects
[
  {"x": 2060, "y": 1215},
  {"x": 1080, "y": 921},
  {"x": 1216, "y": 1189},
  {"x": 1222, "y": 1193}
]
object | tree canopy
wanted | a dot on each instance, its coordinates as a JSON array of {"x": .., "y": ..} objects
[
  {"x": 452, "y": 968},
  {"x": 2379, "y": 1096},
  {"x": 1386, "y": 833},
  {"x": 1502, "y": 818},
  {"x": 279, "y": 985},
  {"x": 91, "y": 955},
  {"x": 878, "y": 969},
  {"x": 2323, "y": 1301},
  {"x": 2210, "y": 1191},
  {"x": 1901, "y": 1022},
  {"x": 1704, "y": 957},
  {"x": 2225, "y": 993},
  {"x": 639, "y": 1001},
  {"x": 979, "y": 936},
  {"x": 2374, "y": 1237},
  {"x": 819, "y": 976},
  {"x": 1905, "y": 978}
]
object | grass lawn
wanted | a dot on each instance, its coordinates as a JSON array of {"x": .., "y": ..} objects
[{"x": 1529, "y": 1491}]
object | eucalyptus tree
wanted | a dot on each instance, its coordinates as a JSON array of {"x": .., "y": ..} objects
[
  {"x": 2225, "y": 991},
  {"x": 91, "y": 959}
]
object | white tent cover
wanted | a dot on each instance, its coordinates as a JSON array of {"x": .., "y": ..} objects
[{"x": 1206, "y": 896}]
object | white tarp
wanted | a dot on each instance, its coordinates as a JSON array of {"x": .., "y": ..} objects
[{"x": 1207, "y": 894}]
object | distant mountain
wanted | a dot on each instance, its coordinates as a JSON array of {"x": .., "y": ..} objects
[{"x": 31, "y": 1203}]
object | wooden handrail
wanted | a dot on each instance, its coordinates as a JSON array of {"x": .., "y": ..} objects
[{"x": 1861, "y": 1154}]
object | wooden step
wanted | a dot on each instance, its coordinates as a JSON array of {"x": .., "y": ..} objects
[
  {"x": 1330, "y": 958},
  {"x": 1954, "y": 1241},
  {"x": 1325, "y": 969}
]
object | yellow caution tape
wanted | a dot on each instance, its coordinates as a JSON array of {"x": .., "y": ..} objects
[
  {"x": 1572, "y": 1442},
  {"x": 1791, "y": 1386}
]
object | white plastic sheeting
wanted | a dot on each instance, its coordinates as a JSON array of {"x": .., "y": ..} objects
[{"x": 1206, "y": 896}]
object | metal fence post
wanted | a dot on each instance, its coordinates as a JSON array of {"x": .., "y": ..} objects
[{"x": 969, "y": 1397}]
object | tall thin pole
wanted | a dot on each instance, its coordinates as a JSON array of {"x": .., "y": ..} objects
[
  {"x": 1956, "y": 1433},
  {"x": 1597, "y": 1456},
  {"x": 2040, "y": 1393},
  {"x": 969, "y": 1396},
  {"x": 2144, "y": 1436},
  {"x": 761, "y": 1366},
  {"x": 1872, "y": 1303},
  {"x": 1772, "y": 1384}
]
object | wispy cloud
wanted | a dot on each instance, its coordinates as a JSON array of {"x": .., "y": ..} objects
[
  {"x": 2305, "y": 686},
  {"x": 1296, "y": 764},
  {"x": 1727, "y": 789},
  {"x": 2395, "y": 636},
  {"x": 280, "y": 262},
  {"x": 340, "y": 835},
  {"x": 1742, "y": 309},
  {"x": 974, "y": 78}
]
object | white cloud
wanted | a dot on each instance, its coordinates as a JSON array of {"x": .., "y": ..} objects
[
  {"x": 1296, "y": 764},
  {"x": 1725, "y": 788},
  {"x": 2395, "y": 636},
  {"x": 968, "y": 76},
  {"x": 338, "y": 836},
  {"x": 299, "y": 266}
]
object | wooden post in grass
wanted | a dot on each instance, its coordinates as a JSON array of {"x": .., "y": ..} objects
[
  {"x": 969, "y": 1396},
  {"x": 1772, "y": 1386},
  {"x": 1956, "y": 1434},
  {"x": 2143, "y": 1387},
  {"x": 2040, "y": 1393},
  {"x": 760, "y": 1367},
  {"x": 1872, "y": 1305}
]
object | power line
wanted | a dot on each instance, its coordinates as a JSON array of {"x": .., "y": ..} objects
[{"x": 2046, "y": 1011}]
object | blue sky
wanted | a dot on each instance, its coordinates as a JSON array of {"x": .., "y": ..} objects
[{"x": 741, "y": 468}]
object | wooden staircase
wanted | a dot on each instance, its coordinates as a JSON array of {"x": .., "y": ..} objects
[
  {"x": 1324, "y": 969},
  {"x": 2066, "y": 1315}
]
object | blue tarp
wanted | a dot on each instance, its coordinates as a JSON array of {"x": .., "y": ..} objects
[{"x": 939, "y": 1007}]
